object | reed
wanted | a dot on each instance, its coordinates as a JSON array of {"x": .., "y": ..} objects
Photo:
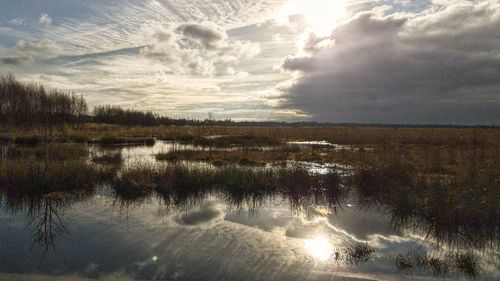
[
  {"x": 22, "y": 178},
  {"x": 466, "y": 264}
]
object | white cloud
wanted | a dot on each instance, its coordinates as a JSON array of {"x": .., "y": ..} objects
[
  {"x": 198, "y": 49},
  {"x": 27, "y": 52},
  {"x": 17, "y": 21},
  {"x": 45, "y": 19},
  {"x": 40, "y": 48},
  {"x": 102, "y": 44}
]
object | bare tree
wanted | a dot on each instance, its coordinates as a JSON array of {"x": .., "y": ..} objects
[{"x": 28, "y": 105}]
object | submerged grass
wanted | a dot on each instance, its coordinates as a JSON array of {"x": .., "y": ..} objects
[
  {"x": 355, "y": 254},
  {"x": 107, "y": 156},
  {"x": 459, "y": 208},
  {"x": 466, "y": 264}
]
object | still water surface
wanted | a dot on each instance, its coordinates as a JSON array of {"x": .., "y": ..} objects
[{"x": 99, "y": 236}]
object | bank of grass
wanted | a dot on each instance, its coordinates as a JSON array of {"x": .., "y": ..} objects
[
  {"x": 337, "y": 135},
  {"x": 56, "y": 152},
  {"x": 175, "y": 183},
  {"x": 254, "y": 156},
  {"x": 180, "y": 184},
  {"x": 242, "y": 156},
  {"x": 134, "y": 184},
  {"x": 223, "y": 141},
  {"x": 28, "y": 177},
  {"x": 113, "y": 140},
  {"x": 236, "y": 140},
  {"x": 429, "y": 160}
]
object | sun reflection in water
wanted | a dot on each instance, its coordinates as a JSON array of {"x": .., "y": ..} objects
[{"x": 319, "y": 248}]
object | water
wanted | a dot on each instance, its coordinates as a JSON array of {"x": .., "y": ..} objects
[
  {"x": 210, "y": 237},
  {"x": 319, "y": 143},
  {"x": 208, "y": 241}
]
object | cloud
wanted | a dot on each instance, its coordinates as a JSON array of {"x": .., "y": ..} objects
[
  {"x": 440, "y": 66},
  {"x": 45, "y": 19},
  {"x": 196, "y": 49},
  {"x": 40, "y": 48},
  {"x": 27, "y": 52},
  {"x": 17, "y": 21},
  {"x": 17, "y": 60},
  {"x": 208, "y": 36},
  {"x": 209, "y": 213},
  {"x": 181, "y": 42},
  {"x": 191, "y": 82}
]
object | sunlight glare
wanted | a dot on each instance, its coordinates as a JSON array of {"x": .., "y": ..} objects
[
  {"x": 321, "y": 16},
  {"x": 319, "y": 248}
]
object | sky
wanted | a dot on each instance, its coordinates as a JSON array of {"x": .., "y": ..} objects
[{"x": 356, "y": 61}]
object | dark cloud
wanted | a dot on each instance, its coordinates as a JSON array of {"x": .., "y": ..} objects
[
  {"x": 17, "y": 60},
  {"x": 440, "y": 67},
  {"x": 208, "y": 36}
]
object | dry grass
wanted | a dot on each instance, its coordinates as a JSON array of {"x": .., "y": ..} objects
[
  {"x": 33, "y": 177},
  {"x": 256, "y": 157},
  {"x": 179, "y": 184},
  {"x": 57, "y": 152},
  {"x": 338, "y": 135}
]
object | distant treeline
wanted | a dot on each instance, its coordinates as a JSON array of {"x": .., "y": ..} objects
[
  {"x": 31, "y": 105},
  {"x": 112, "y": 114}
]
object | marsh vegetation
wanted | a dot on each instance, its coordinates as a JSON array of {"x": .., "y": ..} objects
[
  {"x": 436, "y": 187},
  {"x": 449, "y": 197}
]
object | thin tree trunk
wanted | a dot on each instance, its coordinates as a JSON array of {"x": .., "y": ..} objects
[{"x": 46, "y": 149}]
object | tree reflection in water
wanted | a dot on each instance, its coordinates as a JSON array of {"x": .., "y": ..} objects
[{"x": 45, "y": 213}]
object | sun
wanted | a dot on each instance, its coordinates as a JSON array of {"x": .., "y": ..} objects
[
  {"x": 319, "y": 248},
  {"x": 321, "y": 16}
]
